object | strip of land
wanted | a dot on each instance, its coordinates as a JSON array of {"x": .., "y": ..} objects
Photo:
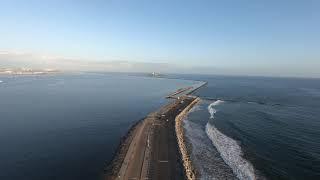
[
  {"x": 186, "y": 91},
  {"x": 26, "y": 71},
  {"x": 151, "y": 150}
]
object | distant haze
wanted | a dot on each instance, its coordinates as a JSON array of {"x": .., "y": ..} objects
[
  {"x": 29, "y": 60},
  {"x": 232, "y": 37}
]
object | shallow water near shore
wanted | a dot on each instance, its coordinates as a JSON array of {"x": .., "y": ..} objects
[
  {"x": 68, "y": 126},
  {"x": 256, "y": 128}
]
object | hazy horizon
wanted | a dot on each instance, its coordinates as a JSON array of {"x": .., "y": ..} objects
[
  {"x": 209, "y": 37},
  {"x": 37, "y": 61}
]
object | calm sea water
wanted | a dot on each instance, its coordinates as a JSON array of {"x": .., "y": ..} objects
[
  {"x": 67, "y": 126},
  {"x": 254, "y": 127}
]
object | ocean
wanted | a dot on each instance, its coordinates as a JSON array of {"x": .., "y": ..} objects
[
  {"x": 255, "y": 128},
  {"x": 68, "y": 126}
]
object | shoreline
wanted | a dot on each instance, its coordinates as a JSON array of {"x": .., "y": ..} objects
[
  {"x": 189, "y": 168},
  {"x": 154, "y": 147},
  {"x": 113, "y": 166}
]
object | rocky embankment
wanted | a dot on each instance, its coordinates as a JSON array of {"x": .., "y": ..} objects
[
  {"x": 113, "y": 167},
  {"x": 187, "y": 163}
]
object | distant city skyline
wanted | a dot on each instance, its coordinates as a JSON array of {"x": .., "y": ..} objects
[{"x": 271, "y": 38}]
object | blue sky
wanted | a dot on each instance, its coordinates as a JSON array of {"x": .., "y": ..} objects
[{"x": 226, "y": 34}]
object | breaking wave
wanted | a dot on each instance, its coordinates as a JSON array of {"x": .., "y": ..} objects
[
  {"x": 205, "y": 158},
  {"x": 229, "y": 149},
  {"x": 211, "y": 110}
]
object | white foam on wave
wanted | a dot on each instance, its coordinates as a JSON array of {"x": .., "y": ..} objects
[
  {"x": 194, "y": 108},
  {"x": 205, "y": 158},
  {"x": 211, "y": 110},
  {"x": 229, "y": 149}
]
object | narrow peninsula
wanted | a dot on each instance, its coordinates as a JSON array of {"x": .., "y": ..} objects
[{"x": 155, "y": 148}]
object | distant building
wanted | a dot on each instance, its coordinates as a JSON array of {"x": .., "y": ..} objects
[{"x": 154, "y": 74}]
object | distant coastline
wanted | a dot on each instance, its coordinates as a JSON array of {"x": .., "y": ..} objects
[{"x": 27, "y": 71}]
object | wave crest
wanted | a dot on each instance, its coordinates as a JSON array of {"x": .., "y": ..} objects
[
  {"x": 211, "y": 110},
  {"x": 229, "y": 149}
]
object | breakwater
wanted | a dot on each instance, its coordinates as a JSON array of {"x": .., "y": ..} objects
[
  {"x": 187, "y": 164},
  {"x": 155, "y": 148},
  {"x": 113, "y": 167}
]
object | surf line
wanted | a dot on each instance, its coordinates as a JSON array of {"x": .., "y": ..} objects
[{"x": 229, "y": 149}]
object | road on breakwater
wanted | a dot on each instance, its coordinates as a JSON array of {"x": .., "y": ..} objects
[{"x": 153, "y": 152}]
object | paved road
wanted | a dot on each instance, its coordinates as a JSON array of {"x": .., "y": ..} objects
[
  {"x": 132, "y": 165},
  {"x": 153, "y": 152},
  {"x": 165, "y": 155}
]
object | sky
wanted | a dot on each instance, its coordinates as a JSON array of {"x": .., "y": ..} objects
[{"x": 253, "y": 37}]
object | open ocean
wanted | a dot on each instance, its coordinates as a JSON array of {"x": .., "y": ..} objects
[
  {"x": 68, "y": 126},
  {"x": 256, "y": 128}
]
